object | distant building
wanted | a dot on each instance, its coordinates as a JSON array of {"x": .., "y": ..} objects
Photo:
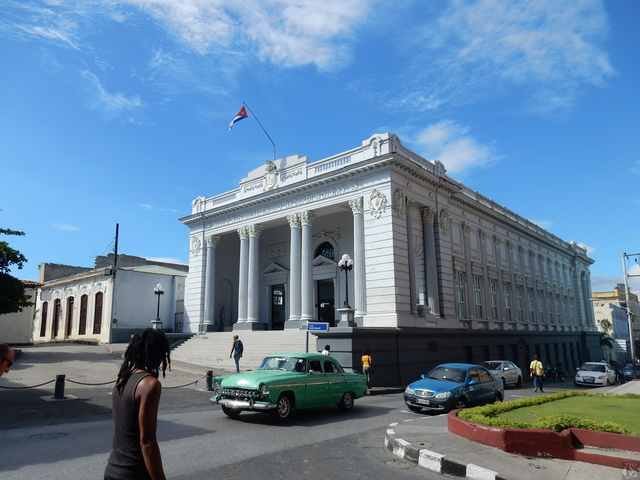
[
  {"x": 78, "y": 303},
  {"x": 610, "y": 311},
  {"x": 17, "y": 328}
]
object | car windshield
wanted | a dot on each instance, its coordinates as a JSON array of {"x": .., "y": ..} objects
[
  {"x": 447, "y": 373},
  {"x": 290, "y": 364},
  {"x": 493, "y": 365},
  {"x": 592, "y": 367}
]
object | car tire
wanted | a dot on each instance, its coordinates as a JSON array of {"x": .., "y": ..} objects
[
  {"x": 346, "y": 402},
  {"x": 231, "y": 412},
  {"x": 284, "y": 407},
  {"x": 499, "y": 397},
  {"x": 504, "y": 383},
  {"x": 519, "y": 382}
]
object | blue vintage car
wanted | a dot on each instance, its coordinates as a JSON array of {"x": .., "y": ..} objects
[{"x": 453, "y": 385}]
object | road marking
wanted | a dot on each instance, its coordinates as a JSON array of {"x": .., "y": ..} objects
[
  {"x": 430, "y": 460},
  {"x": 475, "y": 472}
]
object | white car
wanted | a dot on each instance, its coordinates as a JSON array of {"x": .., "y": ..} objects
[
  {"x": 595, "y": 374},
  {"x": 507, "y": 371}
]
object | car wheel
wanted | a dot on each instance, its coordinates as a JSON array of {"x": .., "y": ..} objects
[
  {"x": 499, "y": 396},
  {"x": 346, "y": 402},
  {"x": 231, "y": 412},
  {"x": 461, "y": 403},
  {"x": 284, "y": 407},
  {"x": 519, "y": 382},
  {"x": 504, "y": 383}
]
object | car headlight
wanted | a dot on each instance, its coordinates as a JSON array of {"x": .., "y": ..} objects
[
  {"x": 264, "y": 389},
  {"x": 442, "y": 395},
  {"x": 410, "y": 391}
]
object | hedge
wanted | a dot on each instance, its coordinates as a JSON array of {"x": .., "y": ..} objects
[{"x": 490, "y": 415}]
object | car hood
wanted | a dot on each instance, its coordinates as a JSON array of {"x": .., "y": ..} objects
[
  {"x": 252, "y": 380},
  {"x": 589, "y": 373},
  {"x": 435, "y": 385}
]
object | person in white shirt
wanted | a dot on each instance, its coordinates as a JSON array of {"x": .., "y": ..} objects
[{"x": 327, "y": 350}]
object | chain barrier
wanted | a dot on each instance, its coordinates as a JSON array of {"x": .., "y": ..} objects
[
  {"x": 90, "y": 384},
  {"x": 30, "y": 386}
]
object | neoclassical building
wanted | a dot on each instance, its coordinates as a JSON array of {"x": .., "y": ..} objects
[{"x": 433, "y": 260}]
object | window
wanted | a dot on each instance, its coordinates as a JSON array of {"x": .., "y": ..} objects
[
  {"x": 326, "y": 250},
  {"x": 507, "y": 301},
  {"x": 484, "y": 376},
  {"x": 315, "y": 366},
  {"x": 461, "y": 295},
  {"x": 328, "y": 367},
  {"x": 493, "y": 286},
  {"x": 69, "y": 317},
  {"x": 56, "y": 317},
  {"x": 477, "y": 296},
  {"x": 43, "y": 319},
  {"x": 532, "y": 305},
  {"x": 82, "y": 327},
  {"x": 97, "y": 314},
  {"x": 520, "y": 302},
  {"x": 541, "y": 316}
]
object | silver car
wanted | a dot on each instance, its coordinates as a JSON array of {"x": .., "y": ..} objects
[{"x": 509, "y": 372}]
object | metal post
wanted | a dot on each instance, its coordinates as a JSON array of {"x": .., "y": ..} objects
[
  {"x": 629, "y": 319},
  {"x": 307, "y": 341},
  {"x": 58, "y": 393},
  {"x": 346, "y": 284},
  {"x": 210, "y": 380}
]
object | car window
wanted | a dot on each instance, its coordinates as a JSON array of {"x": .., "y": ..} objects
[
  {"x": 484, "y": 376},
  {"x": 493, "y": 365},
  {"x": 447, "y": 373},
  {"x": 314, "y": 366},
  {"x": 593, "y": 367},
  {"x": 328, "y": 367},
  {"x": 473, "y": 375},
  {"x": 301, "y": 365}
]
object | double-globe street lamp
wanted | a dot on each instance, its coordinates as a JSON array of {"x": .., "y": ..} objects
[
  {"x": 346, "y": 265},
  {"x": 157, "y": 324}
]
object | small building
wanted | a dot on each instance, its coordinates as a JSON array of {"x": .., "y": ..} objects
[
  {"x": 79, "y": 303},
  {"x": 17, "y": 328},
  {"x": 610, "y": 310}
]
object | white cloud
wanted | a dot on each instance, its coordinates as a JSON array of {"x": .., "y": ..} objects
[
  {"x": 550, "y": 49},
  {"x": 590, "y": 250},
  {"x": 146, "y": 206},
  {"x": 452, "y": 144},
  {"x": 111, "y": 102},
  {"x": 546, "y": 224},
  {"x": 66, "y": 227}
]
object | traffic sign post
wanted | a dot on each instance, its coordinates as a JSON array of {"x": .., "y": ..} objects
[{"x": 315, "y": 327}]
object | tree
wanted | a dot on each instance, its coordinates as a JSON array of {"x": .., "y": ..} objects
[{"x": 12, "y": 295}]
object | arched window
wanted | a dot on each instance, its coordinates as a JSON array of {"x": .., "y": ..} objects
[
  {"x": 69, "y": 317},
  {"x": 326, "y": 250},
  {"x": 56, "y": 318},
  {"x": 82, "y": 326},
  {"x": 97, "y": 314},
  {"x": 43, "y": 319}
]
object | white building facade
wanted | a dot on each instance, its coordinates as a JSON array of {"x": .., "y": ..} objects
[{"x": 430, "y": 255}]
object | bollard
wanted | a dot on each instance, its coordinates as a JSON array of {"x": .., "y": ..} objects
[
  {"x": 210, "y": 380},
  {"x": 58, "y": 393}
]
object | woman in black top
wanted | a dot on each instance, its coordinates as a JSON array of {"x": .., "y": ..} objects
[{"x": 136, "y": 395}]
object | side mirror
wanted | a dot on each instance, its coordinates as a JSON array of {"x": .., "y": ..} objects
[
  {"x": 472, "y": 382},
  {"x": 506, "y": 368},
  {"x": 423, "y": 376}
]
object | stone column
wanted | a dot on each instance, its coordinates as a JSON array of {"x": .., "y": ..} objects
[
  {"x": 210, "y": 285},
  {"x": 582, "y": 321},
  {"x": 358, "y": 258},
  {"x": 307, "y": 268},
  {"x": 430, "y": 265},
  {"x": 243, "y": 274},
  {"x": 253, "y": 282},
  {"x": 294, "y": 271}
]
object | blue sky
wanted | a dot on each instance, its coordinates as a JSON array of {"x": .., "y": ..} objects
[{"x": 116, "y": 111}]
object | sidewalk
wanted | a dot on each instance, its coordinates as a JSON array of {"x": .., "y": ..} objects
[
  {"x": 425, "y": 440},
  {"x": 630, "y": 387}
]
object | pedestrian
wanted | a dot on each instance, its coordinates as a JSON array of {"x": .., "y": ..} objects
[
  {"x": 367, "y": 364},
  {"x": 327, "y": 350},
  {"x": 236, "y": 352},
  {"x": 536, "y": 370},
  {"x": 7, "y": 356},
  {"x": 135, "y": 397}
]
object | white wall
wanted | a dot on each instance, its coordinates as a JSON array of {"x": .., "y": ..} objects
[{"x": 18, "y": 327}]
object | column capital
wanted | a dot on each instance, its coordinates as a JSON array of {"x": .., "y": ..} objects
[
  {"x": 305, "y": 217},
  {"x": 212, "y": 240},
  {"x": 427, "y": 214},
  {"x": 253, "y": 230},
  {"x": 357, "y": 206},
  {"x": 294, "y": 220},
  {"x": 243, "y": 232}
]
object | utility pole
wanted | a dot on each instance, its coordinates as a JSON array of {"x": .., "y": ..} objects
[
  {"x": 114, "y": 269},
  {"x": 625, "y": 256}
]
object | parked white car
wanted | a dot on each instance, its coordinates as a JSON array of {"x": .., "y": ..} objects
[
  {"x": 595, "y": 374},
  {"x": 507, "y": 371}
]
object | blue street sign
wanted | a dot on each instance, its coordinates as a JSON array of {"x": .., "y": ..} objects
[{"x": 318, "y": 326}]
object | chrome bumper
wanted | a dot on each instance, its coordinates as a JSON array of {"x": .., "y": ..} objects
[{"x": 245, "y": 404}]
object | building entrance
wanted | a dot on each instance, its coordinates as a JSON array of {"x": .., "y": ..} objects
[
  {"x": 277, "y": 307},
  {"x": 326, "y": 302}
]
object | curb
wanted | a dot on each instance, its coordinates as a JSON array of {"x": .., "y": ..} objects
[{"x": 433, "y": 461}]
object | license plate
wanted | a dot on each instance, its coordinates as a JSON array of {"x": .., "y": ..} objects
[
  {"x": 423, "y": 402},
  {"x": 589, "y": 379}
]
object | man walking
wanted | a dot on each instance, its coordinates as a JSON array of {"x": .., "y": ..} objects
[
  {"x": 236, "y": 352},
  {"x": 366, "y": 362},
  {"x": 536, "y": 370}
]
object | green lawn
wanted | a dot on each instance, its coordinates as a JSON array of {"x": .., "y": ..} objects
[{"x": 623, "y": 411}]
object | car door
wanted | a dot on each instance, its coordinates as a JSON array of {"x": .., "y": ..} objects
[
  {"x": 488, "y": 386},
  {"x": 335, "y": 382},
  {"x": 474, "y": 386},
  {"x": 511, "y": 373},
  {"x": 316, "y": 391}
]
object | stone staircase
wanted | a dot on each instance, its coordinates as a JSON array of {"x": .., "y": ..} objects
[{"x": 212, "y": 350}]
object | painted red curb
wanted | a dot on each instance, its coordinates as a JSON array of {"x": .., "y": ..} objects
[{"x": 546, "y": 443}]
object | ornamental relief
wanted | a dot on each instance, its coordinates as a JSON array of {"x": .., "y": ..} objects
[
  {"x": 196, "y": 244},
  {"x": 377, "y": 203},
  {"x": 444, "y": 221},
  {"x": 399, "y": 201}
]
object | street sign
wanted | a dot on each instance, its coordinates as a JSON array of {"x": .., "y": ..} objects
[{"x": 318, "y": 326}]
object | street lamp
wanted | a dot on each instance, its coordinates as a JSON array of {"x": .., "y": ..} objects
[
  {"x": 346, "y": 265},
  {"x": 158, "y": 292}
]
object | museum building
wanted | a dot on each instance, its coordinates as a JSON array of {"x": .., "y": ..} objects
[{"x": 440, "y": 272}]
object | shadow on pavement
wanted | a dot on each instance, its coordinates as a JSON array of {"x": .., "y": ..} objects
[{"x": 33, "y": 358}]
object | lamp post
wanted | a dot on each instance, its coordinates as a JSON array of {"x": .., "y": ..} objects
[
  {"x": 346, "y": 265},
  {"x": 158, "y": 292}
]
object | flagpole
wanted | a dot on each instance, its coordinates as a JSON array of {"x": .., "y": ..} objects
[{"x": 263, "y": 129}]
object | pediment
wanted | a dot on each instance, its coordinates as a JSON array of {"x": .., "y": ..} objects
[
  {"x": 321, "y": 260},
  {"x": 275, "y": 268}
]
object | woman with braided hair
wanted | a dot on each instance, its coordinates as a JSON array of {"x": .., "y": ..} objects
[{"x": 136, "y": 396}]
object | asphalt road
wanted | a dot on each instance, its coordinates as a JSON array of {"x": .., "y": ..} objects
[{"x": 71, "y": 439}]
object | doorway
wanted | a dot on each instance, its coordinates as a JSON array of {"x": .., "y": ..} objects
[
  {"x": 277, "y": 307},
  {"x": 326, "y": 302}
]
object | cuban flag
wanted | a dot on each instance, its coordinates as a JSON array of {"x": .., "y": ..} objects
[{"x": 241, "y": 115}]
